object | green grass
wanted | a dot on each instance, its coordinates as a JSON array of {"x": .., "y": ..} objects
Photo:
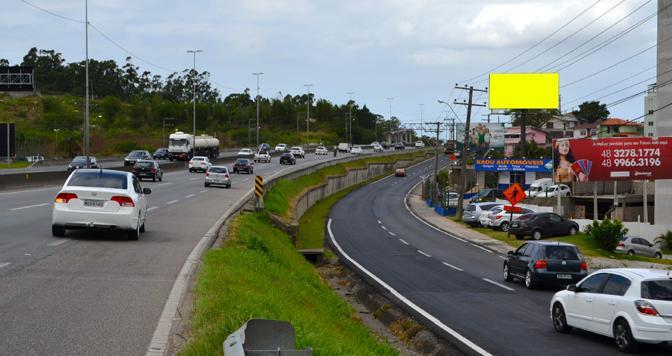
[
  {"x": 18, "y": 164},
  {"x": 259, "y": 274}
]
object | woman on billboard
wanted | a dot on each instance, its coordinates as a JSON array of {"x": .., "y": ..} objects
[{"x": 563, "y": 160}]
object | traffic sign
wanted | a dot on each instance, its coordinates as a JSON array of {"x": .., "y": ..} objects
[
  {"x": 514, "y": 193},
  {"x": 259, "y": 186},
  {"x": 513, "y": 209},
  {"x": 452, "y": 157}
]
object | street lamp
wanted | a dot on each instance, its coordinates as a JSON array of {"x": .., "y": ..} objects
[
  {"x": 308, "y": 103},
  {"x": 258, "y": 74},
  {"x": 86, "y": 78},
  {"x": 194, "y": 51},
  {"x": 349, "y": 126}
]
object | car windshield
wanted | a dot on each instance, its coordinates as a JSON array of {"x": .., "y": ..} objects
[
  {"x": 496, "y": 210},
  {"x": 136, "y": 154},
  {"x": 217, "y": 170},
  {"x": 657, "y": 290},
  {"x": 79, "y": 160},
  {"x": 198, "y": 159},
  {"x": 144, "y": 164},
  {"x": 296, "y": 148},
  {"x": 470, "y": 207},
  {"x": 561, "y": 253},
  {"x": 241, "y": 161},
  {"x": 525, "y": 216},
  {"x": 286, "y": 155},
  {"x": 99, "y": 179}
]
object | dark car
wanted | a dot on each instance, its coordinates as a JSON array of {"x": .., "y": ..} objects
[
  {"x": 148, "y": 169},
  {"x": 161, "y": 153},
  {"x": 547, "y": 263},
  {"x": 399, "y": 146},
  {"x": 487, "y": 195},
  {"x": 243, "y": 165},
  {"x": 540, "y": 225},
  {"x": 80, "y": 162},
  {"x": 287, "y": 158},
  {"x": 135, "y": 156}
]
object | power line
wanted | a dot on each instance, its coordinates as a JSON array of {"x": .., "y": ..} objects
[
  {"x": 609, "y": 86},
  {"x": 52, "y": 13}
]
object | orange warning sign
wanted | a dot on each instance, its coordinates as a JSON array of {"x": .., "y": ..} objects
[{"x": 514, "y": 193}]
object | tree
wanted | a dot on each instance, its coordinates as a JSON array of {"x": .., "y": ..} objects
[
  {"x": 591, "y": 112},
  {"x": 4, "y": 62},
  {"x": 534, "y": 118},
  {"x": 532, "y": 151}
]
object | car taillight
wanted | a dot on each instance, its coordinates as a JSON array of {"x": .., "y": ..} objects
[
  {"x": 207, "y": 174},
  {"x": 153, "y": 170},
  {"x": 583, "y": 266},
  {"x": 540, "y": 264},
  {"x": 645, "y": 308},
  {"x": 498, "y": 217},
  {"x": 226, "y": 175},
  {"x": 620, "y": 244},
  {"x": 123, "y": 201},
  {"x": 65, "y": 197}
]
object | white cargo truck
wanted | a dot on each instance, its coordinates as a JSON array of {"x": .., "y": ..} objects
[{"x": 180, "y": 146}]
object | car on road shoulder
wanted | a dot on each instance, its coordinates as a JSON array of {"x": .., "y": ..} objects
[
  {"x": 246, "y": 153},
  {"x": 298, "y": 152},
  {"x": 217, "y": 175},
  {"x": 499, "y": 219},
  {"x": 633, "y": 245},
  {"x": 80, "y": 162},
  {"x": 356, "y": 150},
  {"x": 100, "y": 199},
  {"x": 287, "y": 158},
  {"x": 552, "y": 191},
  {"x": 546, "y": 263},
  {"x": 400, "y": 172},
  {"x": 135, "y": 156},
  {"x": 148, "y": 169},
  {"x": 160, "y": 153},
  {"x": 243, "y": 165},
  {"x": 472, "y": 212},
  {"x": 538, "y": 225},
  {"x": 281, "y": 147},
  {"x": 632, "y": 306},
  {"x": 321, "y": 150}
]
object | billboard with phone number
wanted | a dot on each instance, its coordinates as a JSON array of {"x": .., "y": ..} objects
[{"x": 615, "y": 158}]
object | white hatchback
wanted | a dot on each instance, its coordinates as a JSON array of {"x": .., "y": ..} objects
[
  {"x": 628, "y": 304},
  {"x": 199, "y": 163},
  {"x": 100, "y": 198}
]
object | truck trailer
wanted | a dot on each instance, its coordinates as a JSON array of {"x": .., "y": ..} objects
[{"x": 180, "y": 146}]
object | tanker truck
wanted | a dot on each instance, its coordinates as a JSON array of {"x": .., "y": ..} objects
[{"x": 180, "y": 146}]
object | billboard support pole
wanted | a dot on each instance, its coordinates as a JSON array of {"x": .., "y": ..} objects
[
  {"x": 557, "y": 196},
  {"x": 596, "y": 216},
  {"x": 9, "y": 155},
  {"x": 645, "y": 202}
]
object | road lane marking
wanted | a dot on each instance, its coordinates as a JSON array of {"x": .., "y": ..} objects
[
  {"x": 195, "y": 178},
  {"x": 379, "y": 222},
  {"x": 204, "y": 191},
  {"x": 383, "y": 226},
  {"x": 403, "y": 242},
  {"x": 28, "y": 207},
  {"x": 453, "y": 267},
  {"x": 424, "y": 253},
  {"x": 153, "y": 208},
  {"x": 172, "y": 202},
  {"x": 162, "y": 184},
  {"x": 245, "y": 180},
  {"x": 189, "y": 196},
  {"x": 481, "y": 247},
  {"x": 57, "y": 243},
  {"x": 431, "y": 318},
  {"x": 499, "y": 285},
  {"x": 5, "y": 264},
  {"x": 502, "y": 257},
  {"x": 392, "y": 233}
]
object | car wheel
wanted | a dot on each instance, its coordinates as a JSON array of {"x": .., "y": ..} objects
[
  {"x": 623, "y": 336},
  {"x": 228, "y": 186},
  {"x": 507, "y": 275},
  {"x": 58, "y": 231},
  {"x": 154, "y": 179},
  {"x": 658, "y": 255},
  {"x": 504, "y": 226},
  {"x": 142, "y": 228},
  {"x": 133, "y": 234},
  {"x": 631, "y": 253},
  {"x": 572, "y": 231},
  {"x": 529, "y": 280},
  {"x": 161, "y": 178},
  {"x": 191, "y": 170},
  {"x": 560, "y": 319},
  {"x": 536, "y": 235},
  {"x": 207, "y": 185},
  {"x": 519, "y": 237}
]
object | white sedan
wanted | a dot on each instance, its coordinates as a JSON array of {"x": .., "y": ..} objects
[
  {"x": 356, "y": 150},
  {"x": 321, "y": 150},
  {"x": 100, "y": 198},
  {"x": 297, "y": 151},
  {"x": 245, "y": 153},
  {"x": 552, "y": 191},
  {"x": 628, "y": 304},
  {"x": 281, "y": 147},
  {"x": 199, "y": 163}
]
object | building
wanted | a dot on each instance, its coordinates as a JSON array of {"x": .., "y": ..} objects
[
  {"x": 585, "y": 130},
  {"x": 614, "y": 127},
  {"x": 560, "y": 126},
  {"x": 650, "y": 105},
  {"x": 532, "y": 134}
]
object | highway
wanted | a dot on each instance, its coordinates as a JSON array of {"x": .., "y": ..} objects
[
  {"x": 450, "y": 280},
  {"x": 94, "y": 293}
]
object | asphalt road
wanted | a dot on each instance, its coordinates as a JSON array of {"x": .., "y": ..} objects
[
  {"x": 96, "y": 293},
  {"x": 456, "y": 282}
]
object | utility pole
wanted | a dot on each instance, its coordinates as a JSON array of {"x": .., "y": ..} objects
[
  {"x": 349, "y": 123},
  {"x": 86, "y": 94},
  {"x": 523, "y": 134},
  {"x": 465, "y": 143},
  {"x": 421, "y": 126},
  {"x": 193, "y": 140},
  {"x": 258, "y": 74},
  {"x": 308, "y": 113}
]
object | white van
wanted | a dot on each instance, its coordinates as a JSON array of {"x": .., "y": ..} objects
[
  {"x": 343, "y": 147},
  {"x": 538, "y": 187}
]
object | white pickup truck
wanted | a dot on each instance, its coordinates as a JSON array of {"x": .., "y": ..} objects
[{"x": 262, "y": 156}]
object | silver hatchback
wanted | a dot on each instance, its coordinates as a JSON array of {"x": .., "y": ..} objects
[
  {"x": 632, "y": 245},
  {"x": 218, "y": 175}
]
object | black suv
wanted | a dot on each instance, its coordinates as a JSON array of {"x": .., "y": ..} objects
[
  {"x": 243, "y": 164},
  {"x": 287, "y": 158},
  {"x": 148, "y": 169},
  {"x": 135, "y": 156},
  {"x": 540, "y": 225},
  {"x": 545, "y": 263},
  {"x": 80, "y": 162}
]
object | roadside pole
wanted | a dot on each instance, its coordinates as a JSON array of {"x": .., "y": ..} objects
[
  {"x": 596, "y": 216},
  {"x": 645, "y": 202}
]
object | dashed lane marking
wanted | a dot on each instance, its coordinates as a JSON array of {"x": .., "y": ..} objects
[
  {"x": 403, "y": 241},
  {"x": 152, "y": 208},
  {"x": 189, "y": 196},
  {"x": 499, "y": 285},
  {"x": 57, "y": 243},
  {"x": 172, "y": 202},
  {"x": 453, "y": 267},
  {"x": 392, "y": 233},
  {"x": 204, "y": 191},
  {"x": 424, "y": 253},
  {"x": 5, "y": 264},
  {"x": 379, "y": 222},
  {"x": 28, "y": 207},
  {"x": 383, "y": 227}
]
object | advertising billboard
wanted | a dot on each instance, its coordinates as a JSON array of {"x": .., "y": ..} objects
[
  {"x": 524, "y": 91},
  {"x": 486, "y": 135},
  {"x": 514, "y": 165},
  {"x": 615, "y": 158}
]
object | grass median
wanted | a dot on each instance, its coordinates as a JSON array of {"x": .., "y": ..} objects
[
  {"x": 259, "y": 274},
  {"x": 18, "y": 164}
]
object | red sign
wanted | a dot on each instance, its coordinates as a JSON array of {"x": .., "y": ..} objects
[
  {"x": 452, "y": 157},
  {"x": 615, "y": 158},
  {"x": 514, "y": 193},
  {"x": 513, "y": 209}
]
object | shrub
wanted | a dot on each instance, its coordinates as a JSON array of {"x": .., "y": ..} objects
[
  {"x": 125, "y": 146},
  {"x": 607, "y": 233},
  {"x": 666, "y": 239}
]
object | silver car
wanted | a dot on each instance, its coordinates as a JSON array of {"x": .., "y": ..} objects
[
  {"x": 632, "y": 245},
  {"x": 472, "y": 212},
  {"x": 218, "y": 175}
]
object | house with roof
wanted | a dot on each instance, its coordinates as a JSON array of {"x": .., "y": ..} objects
[
  {"x": 560, "y": 126},
  {"x": 532, "y": 134},
  {"x": 585, "y": 130},
  {"x": 614, "y": 127}
]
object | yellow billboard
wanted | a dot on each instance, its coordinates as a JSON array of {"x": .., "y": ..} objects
[{"x": 524, "y": 90}]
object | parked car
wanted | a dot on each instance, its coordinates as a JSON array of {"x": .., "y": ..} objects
[
  {"x": 148, "y": 169},
  {"x": 545, "y": 263},
  {"x": 243, "y": 165},
  {"x": 539, "y": 187},
  {"x": 135, "y": 156},
  {"x": 199, "y": 163},
  {"x": 630, "y": 305},
  {"x": 487, "y": 195},
  {"x": 321, "y": 150},
  {"x": 552, "y": 191},
  {"x": 400, "y": 172},
  {"x": 287, "y": 158},
  {"x": 80, "y": 162},
  {"x": 419, "y": 144},
  {"x": 540, "y": 225},
  {"x": 399, "y": 146},
  {"x": 632, "y": 245},
  {"x": 160, "y": 153},
  {"x": 499, "y": 219},
  {"x": 281, "y": 147},
  {"x": 35, "y": 159},
  {"x": 344, "y": 147},
  {"x": 472, "y": 212},
  {"x": 452, "y": 198},
  {"x": 246, "y": 153},
  {"x": 100, "y": 199},
  {"x": 217, "y": 175},
  {"x": 298, "y": 151},
  {"x": 356, "y": 150}
]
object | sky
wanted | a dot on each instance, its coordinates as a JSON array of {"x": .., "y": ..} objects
[{"x": 412, "y": 51}]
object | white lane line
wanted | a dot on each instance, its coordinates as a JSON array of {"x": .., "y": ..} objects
[
  {"x": 195, "y": 178},
  {"x": 383, "y": 226},
  {"x": 204, "y": 191},
  {"x": 470, "y": 344},
  {"x": 152, "y": 208},
  {"x": 453, "y": 267},
  {"x": 5, "y": 264},
  {"x": 424, "y": 253},
  {"x": 189, "y": 196},
  {"x": 403, "y": 241},
  {"x": 502, "y": 257},
  {"x": 499, "y": 285},
  {"x": 162, "y": 184},
  {"x": 379, "y": 222},
  {"x": 481, "y": 247},
  {"x": 57, "y": 243},
  {"x": 28, "y": 207},
  {"x": 172, "y": 202},
  {"x": 245, "y": 180},
  {"x": 392, "y": 233}
]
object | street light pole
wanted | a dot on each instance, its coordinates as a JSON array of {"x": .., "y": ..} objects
[
  {"x": 193, "y": 140},
  {"x": 390, "y": 117},
  {"x": 308, "y": 103},
  {"x": 258, "y": 74},
  {"x": 349, "y": 138},
  {"x": 86, "y": 93},
  {"x": 421, "y": 125}
]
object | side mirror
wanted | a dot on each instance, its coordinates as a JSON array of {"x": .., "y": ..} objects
[
  {"x": 146, "y": 191},
  {"x": 572, "y": 288},
  {"x": 510, "y": 253}
]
